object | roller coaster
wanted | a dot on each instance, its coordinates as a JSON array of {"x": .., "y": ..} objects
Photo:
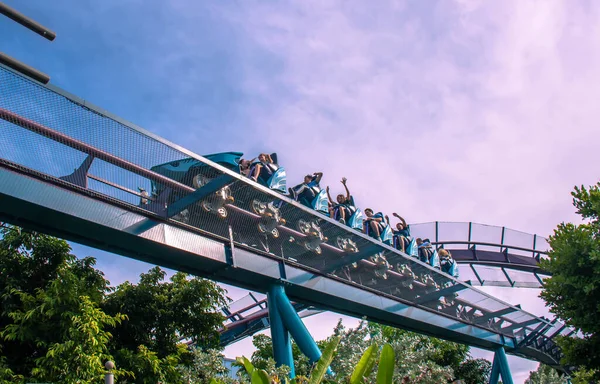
[
  {"x": 508, "y": 258},
  {"x": 72, "y": 170}
]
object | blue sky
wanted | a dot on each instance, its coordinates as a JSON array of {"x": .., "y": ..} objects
[{"x": 440, "y": 110}]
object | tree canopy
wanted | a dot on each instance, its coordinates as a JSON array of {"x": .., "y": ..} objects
[
  {"x": 545, "y": 375},
  {"x": 573, "y": 290},
  {"x": 60, "y": 320}
]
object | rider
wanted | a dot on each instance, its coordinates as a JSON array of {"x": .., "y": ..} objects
[
  {"x": 425, "y": 250},
  {"x": 245, "y": 167},
  {"x": 446, "y": 260},
  {"x": 263, "y": 169},
  {"x": 306, "y": 192},
  {"x": 402, "y": 231},
  {"x": 345, "y": 205},
  {"x": 376, "y": 222}
]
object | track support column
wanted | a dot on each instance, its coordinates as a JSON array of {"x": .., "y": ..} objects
[
  {"x": 282, "y": 345},
  {"x": 500, "y": 368}
]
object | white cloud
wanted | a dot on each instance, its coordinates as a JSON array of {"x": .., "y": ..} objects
[{"x": 461, "y": 111}]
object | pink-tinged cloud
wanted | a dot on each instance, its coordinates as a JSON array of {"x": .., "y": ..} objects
[{"x": 458, "y": 111}]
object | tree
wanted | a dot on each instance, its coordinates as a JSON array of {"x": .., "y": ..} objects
[
  {"x": 49, "y": 318},
  {"x": 474, "y": 371},
  {"x": 60, "y": 320},
  {"x": 262, "y": 358},
  {"x": 545, "y": 375},
  {"x": 573, "y": 290},
  {"x": 206, "y": 365},
  {"x": 160, "y": 314}
]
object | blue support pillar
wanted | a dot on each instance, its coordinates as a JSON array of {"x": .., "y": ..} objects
[
  {"x": 296, "y": 327},
  {"x": 282, "y": 345},
  {"x": 495, "y": 375},
  {"x": 500, "y": 368}
]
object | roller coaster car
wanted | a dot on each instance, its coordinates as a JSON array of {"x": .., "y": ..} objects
[
  {"x": 270, "y": 217},
  {"x": 185, "y": 170},
  {"x": 196, "y": 174},
  {"x": 428, "y": 254},
  {"x": 356, "y": 218},
  {"x": 319, "y": 203},
  {"x": 386, "y": 236},
  {"x": 449, "y": 266},
  {"x": 277, "y": 180},
  {"x": 314, "y": 235},
  {"x": 410, "y": 250}
]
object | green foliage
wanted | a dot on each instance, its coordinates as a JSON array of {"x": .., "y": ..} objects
[
  {"x": 573, "y": 291},
  {"x": 206, "y": 366},
  {"x": 160, "y": 313},
  {"x": 322, "y": 365},
  {"x": 262, "y": 357},
  {"x": 365, "y": 365},
  {"x": 417, "y": 358},
  {"x": 474, "y": 371},
  {"x": 545, "y": 375},
  {"x": 385, "y": 371},
  {"x": 51, "y": 328},
  {"x": 59, "y": 321}
]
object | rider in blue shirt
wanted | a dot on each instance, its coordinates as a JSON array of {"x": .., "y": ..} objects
[
  {"x": 376, "y": 222},
  {"x": 345, "y": 208},
  {"x": 402, "y": 231}
]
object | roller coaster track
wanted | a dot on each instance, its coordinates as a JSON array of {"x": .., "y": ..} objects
[
  {"x": 70, "y": 169},
  {"x": 489, "y": 255},
  {"x": 505, "y": 250}
]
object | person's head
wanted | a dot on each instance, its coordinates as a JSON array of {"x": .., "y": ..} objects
[
  {"x": 341, "y": 199},
  {"x": 244, "y": 164},
  {"x": 307, "y": 179},
  {"x": 263, "y": 157},
  {"x": 443, "y": 253},
  {"x": 369, "y": 212},
  {"x": 399, "y": 226},
  {"x": 419, "y": 241}
]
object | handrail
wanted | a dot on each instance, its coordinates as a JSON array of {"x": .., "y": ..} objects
[
  {"x": 456, "y": 242},
  {"x": 246, "y": 308},
  {"x": 90, "y": 150}
]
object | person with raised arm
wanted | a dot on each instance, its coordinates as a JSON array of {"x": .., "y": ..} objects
[
  {"x": 343, "y": 208},
  {"x": 402, "y": 231}
]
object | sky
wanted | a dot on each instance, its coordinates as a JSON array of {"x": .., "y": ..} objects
[{"x": 449, "y": 110}]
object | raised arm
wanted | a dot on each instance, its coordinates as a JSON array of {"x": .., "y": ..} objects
[
  {"x": 329, "y": 196},
  {"x": 346, "y": 187},
  {"x": 400, "y": 218},
  {"x": 318, "y": 176}
]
